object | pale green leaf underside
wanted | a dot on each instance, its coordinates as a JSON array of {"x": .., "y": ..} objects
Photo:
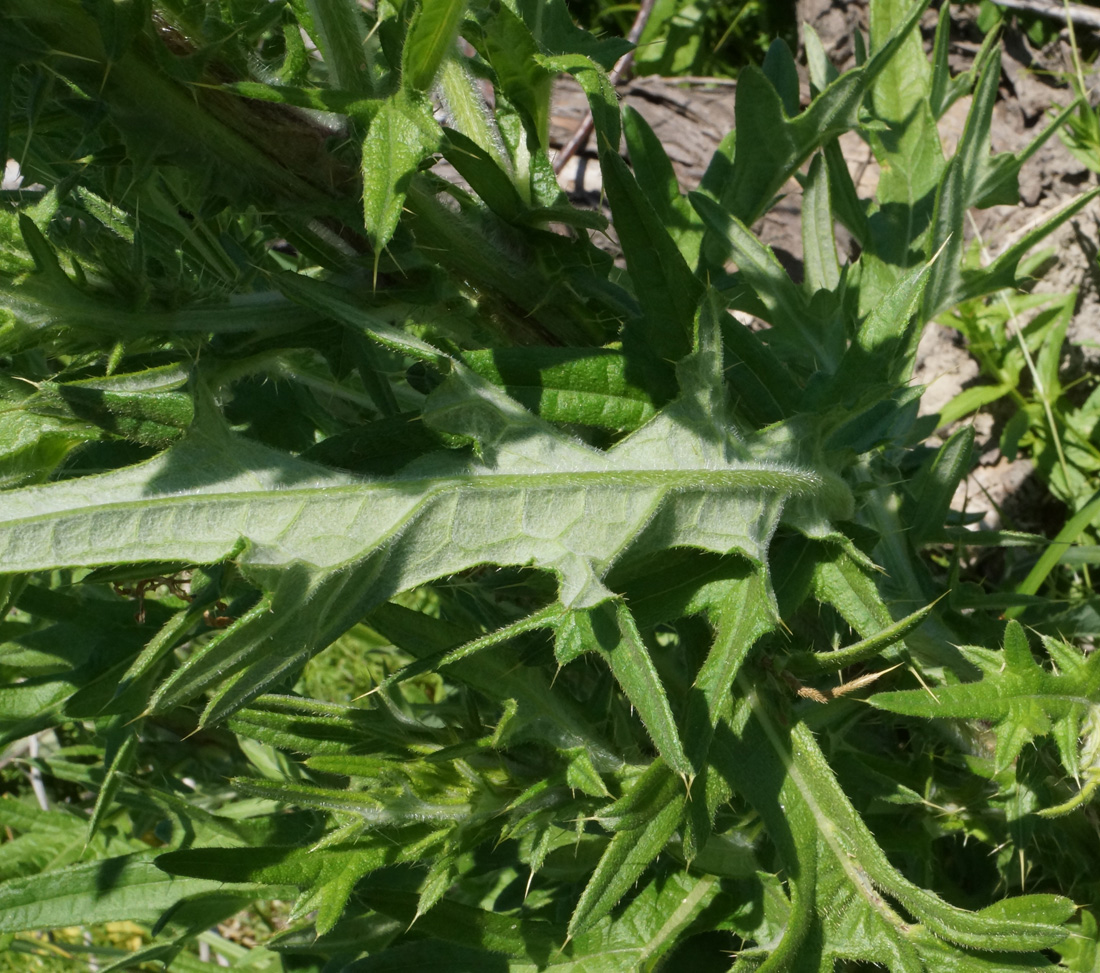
[
  {"x": 535, "y": 497},
  {"x": 328, "y": 547}
]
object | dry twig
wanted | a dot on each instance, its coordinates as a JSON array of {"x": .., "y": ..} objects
[{"x": 1076, "y": 13}]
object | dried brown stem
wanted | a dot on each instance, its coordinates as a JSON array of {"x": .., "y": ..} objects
[{"x": 1076, "y": 13}]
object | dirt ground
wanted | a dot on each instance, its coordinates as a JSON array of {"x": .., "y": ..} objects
[{"x": 691, "y": 116}]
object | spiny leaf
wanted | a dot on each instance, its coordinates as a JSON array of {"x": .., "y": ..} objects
[
  {"x": 305, "y": 534},
  {"x": 513, "y": 53},
  {"x": 399, "y": 137},
  {"x": 644, "y": 821},
  {"x": 629, "y": 660},
  {"x": 935, "y": 485},
  {"x": 318, "y": 99},
  {"x": 657, "y": 179},
  {"x": 560, "y": 721},
  {"x": 309, "y": 726},
  {"x": 329, "y": 875},
  {"x": 1018, "y": 695},
  {"x": 799, "y": 329},
  {"x": 663, "y": 282},
  {"x": 271, "y": 864},
  {"x": 461, "y": 924},
  {"x": 844, "y": 880},
  {"x": 975, "y": 178},
  {"x": 119, "y": 760},
  {"x": 483, "y": 172},
  {"x": 663, "y": 910},
  {"x": 585, "y": 385}
]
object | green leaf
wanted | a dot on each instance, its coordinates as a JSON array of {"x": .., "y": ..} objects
[
  {"x": 1058, "y": 547},
  {"x": 602, "y": 100},
  {"x": 129, "y": 888},
  {"x": 1003, "y": 270},
  {"x": 971, "y": 400},
  {"x": 643, "y": 821},
  {"x": 907, "y": 147},
  {"x": 611, "y": 631},
  {"x": 328, "y": 875},
  {"x": 433, "y": 953},
  {"x": 946, "y": 90},
  {"x": 511, "y": 50},
  {"x": 772, "y": 145},
  {"x": 401, "y": 135},
  {"x": 271, "y": 864},
  {"x": 481, "y": 170},
  {"x": 119, "y": 760},
  {"x": 885, "y": 346},
  {"x": 466, "y": 109},
  {"x": 760, "y": 382},
  {"x": 154, "y": 418},
  {"x": 621, "y": 645},
  {"x": 860, "y": 651},
  {"x": 552, "y": 301},
  {"x": 44, "y": 301},
  {"x": 651, "y": 925},
  {"x": 801, "y": 332},
  {"x": 663, "y": 283},
  {"x": 32, "y": 446},
  {"x": 613, "y": 523},
  {"x": 590, "y": 386},
  {"x": 300, "y": 532},
  {"x": 848, "y": 586},
  {"x": 348, "y": 103},
  {"x": 463, "y": 925},
  {"x": 740, "y": 610},
  {"x": 822, "y": 71},
  {"x": 561, "y": 721},
  {"x": 1015, "y": 693},
  {"x": 741, "y": 615},
  {"x": 343, "y": 306},
  {"x": 657, "y": 181},
  {"x": 557, "y": 32},
  {"x": 975, "y": 178},
  {"x": 935, "y": 485},
  {"x": 960, "y": 188},
  {"x": 779, "y": 68},
  {"x": 338, "y": 30},
  {"x": 310, "y": 726},
  {"x": 844, "y": 883},
  {"x": 430, "y": 38},
  {"x": 818, "y": 242}
]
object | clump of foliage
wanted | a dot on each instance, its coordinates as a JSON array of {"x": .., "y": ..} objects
[
  {"x": 707, "y": 38},
  {"x": 287, "y": 401}
]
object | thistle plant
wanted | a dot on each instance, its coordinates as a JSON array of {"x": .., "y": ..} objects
[{"x": 611, "y": 569}]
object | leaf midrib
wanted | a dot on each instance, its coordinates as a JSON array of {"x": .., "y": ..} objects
[{"x": 776, "y": 479}]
